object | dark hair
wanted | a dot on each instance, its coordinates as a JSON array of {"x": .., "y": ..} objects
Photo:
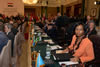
[
  {"x": 8, "y": 25},
  {"x": 85, "y": 33},
  {"x": 85, "y": 28},
  {"x": 91, "y": 21},
  {"x": 1, "y": 26}
]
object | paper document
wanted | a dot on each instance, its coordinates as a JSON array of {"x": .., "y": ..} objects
[
  {"x": 49, "y": 41},
  {"x": 59, "y": 51},
  {"x": 68, "y": 63},
  {"x": 44, "y": 35},
  {"x": 55, "y": 47}
]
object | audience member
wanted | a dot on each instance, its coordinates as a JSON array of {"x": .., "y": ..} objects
[
  {"x": 59, "y": 14},
  {"x": 14, "y": 29},
  {"x": 92, "y": 30},
  {"x": 9, "y": 33},
  {"x": 7, "y": 29},
  {"x": 81, "y": 47},
  {"x": 88, "y": 19},
  {"x": 3, "y": 37}
]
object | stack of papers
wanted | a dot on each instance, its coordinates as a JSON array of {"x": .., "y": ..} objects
[
  {"x": 68, "y": 63},
  {"x": 49, "y": 41},
  {"x": 55, "y": 47},
  {"x": 44, "y": 35}
]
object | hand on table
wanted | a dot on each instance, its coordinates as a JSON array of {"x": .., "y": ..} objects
[
  {"x": 65, "y": 51},
  {"x": 75, "y": 59}
]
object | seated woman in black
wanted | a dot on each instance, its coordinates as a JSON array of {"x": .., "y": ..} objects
[{"x": 92, "y": 30}]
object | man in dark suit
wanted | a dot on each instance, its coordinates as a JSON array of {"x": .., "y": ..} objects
[
  {"x": 3, "y": 37},
  {"x": 92, "y": 28},
  {"x": 9, "y": 33}
]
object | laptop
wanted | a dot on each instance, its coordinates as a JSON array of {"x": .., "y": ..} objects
[{"x": 62, "y": 57}]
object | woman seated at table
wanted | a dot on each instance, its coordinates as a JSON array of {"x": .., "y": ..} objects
[
  {"x": 81, "y": 47},
  {"x": 92, "y": 29}
]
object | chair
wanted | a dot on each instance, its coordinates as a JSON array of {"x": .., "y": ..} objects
[
  {"x": 9, "y": 49},
  {"x": 61, "y": 36},
  {"x": 5, "y": 55},
  {"x": 1, "y": 55},
  {"x": 14, "y": 57},
  {"x": 96, "y": 44},
  {"x": 19, "y": 38}
]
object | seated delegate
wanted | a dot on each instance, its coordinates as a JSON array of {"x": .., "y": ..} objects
[
  {"x": 81, "y": 47},
  {"x": 92, "y": 29}
]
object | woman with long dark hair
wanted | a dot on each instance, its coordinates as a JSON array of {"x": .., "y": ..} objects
[{"x": 81, "y": 47}]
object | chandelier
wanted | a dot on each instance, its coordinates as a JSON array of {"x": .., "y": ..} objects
[{"x": 30, "y": 1}]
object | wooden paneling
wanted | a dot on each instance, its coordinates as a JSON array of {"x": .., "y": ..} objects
[
  {"x": 29, "y": 11},
  {"x": 77, "y": 10},
  {"x": 68, "y": 11}
]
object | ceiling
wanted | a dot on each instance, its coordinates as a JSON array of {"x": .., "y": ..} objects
[{"x": 52, "y": 3}]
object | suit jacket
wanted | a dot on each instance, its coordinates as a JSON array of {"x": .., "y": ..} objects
[
  {"x": 14, "y": 30},
  {"x": 3, "y": 40},
  {"x": 85, "y": 51},
  {"x": 93, "y": 32},
  {"x": 11, "y": 37}
]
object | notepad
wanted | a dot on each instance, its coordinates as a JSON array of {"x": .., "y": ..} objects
[
  {"x": 68, "y": 63},
  {"x": 58, "y": 51},
  {"x": 55, "y": 47},
  {"x": 49, "y": 41}
]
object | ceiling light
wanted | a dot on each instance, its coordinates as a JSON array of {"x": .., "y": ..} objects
[
  {"x": 95, "y": 2},
  {"x": 30, "y": 1}
]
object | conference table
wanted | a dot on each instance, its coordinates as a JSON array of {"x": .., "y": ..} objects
[{"x": 41, "y": 46}]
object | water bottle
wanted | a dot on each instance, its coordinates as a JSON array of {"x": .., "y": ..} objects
[
  {"x": 48, "y": 51},
  {"x": 37, "y": 38},
  {"x": 39, "y": 35},
  {"x": 32, "y": 31}
]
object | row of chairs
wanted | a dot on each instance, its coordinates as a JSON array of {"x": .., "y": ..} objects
[
  {"x": 18, "y": 41},
  {"x": 5, "y": 56},
  {"x": 6, "y": 60}
]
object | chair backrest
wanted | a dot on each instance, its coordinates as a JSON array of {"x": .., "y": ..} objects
[
  {"x": 1, "y": 55},
  {"x": 5, "y": 55},
  {"x": 96, "y": 44},
  {"x": 15, "y": 45},
  {"x": 14, "y": 58},
  {"x": 19, "y": 38},
  {"x": 23, "y": 27},
  {"x": 9, "y": 49}
]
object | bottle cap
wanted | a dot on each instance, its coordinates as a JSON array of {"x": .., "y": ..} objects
[
  {"x": 39, "y": 51},
  {"x": 47, "y": 44}
]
